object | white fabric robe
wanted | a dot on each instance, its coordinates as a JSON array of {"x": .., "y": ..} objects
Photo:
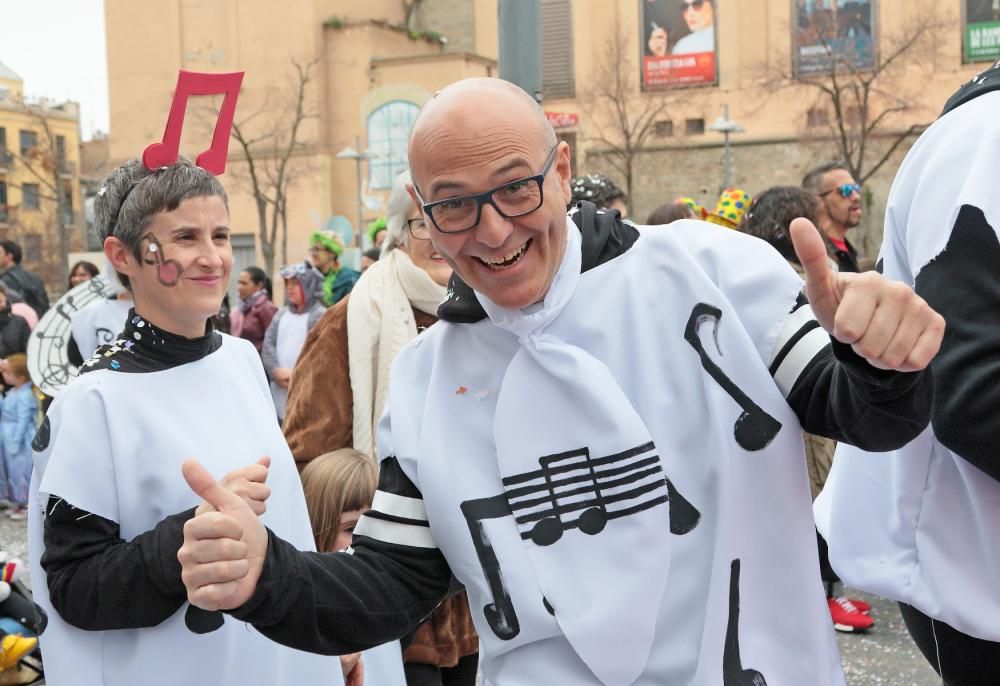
[
  {"x": 117, "y": 443},
  {"x": 442, "y": 425}
]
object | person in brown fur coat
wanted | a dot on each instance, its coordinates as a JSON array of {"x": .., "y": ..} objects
[{"x": 337, "y": 393}]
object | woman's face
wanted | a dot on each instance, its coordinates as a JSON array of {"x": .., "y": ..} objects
[
  {"x": 185, "y": 263},
  {"x": 345, "y": 531},
  {"x": 79, "y": 275},
  {"x": 294, "y": 294},
  {"x": 422, "y": 251},
  {"x": 245, "y": 286}
]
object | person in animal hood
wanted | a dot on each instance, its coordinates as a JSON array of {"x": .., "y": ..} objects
[
  {"x": 917, "y": 524},
  {"x": 600, "y": 439}
]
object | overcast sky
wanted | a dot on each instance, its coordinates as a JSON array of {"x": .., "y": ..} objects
[{"x": 57, "y": 48}]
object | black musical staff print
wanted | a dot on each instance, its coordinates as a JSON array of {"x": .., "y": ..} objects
[
  {"x": 571, "y": 490},
  {"x": 48, "y": 356},
  {"x": 733, "y": 673},
  {"x": 754, "y": 428}
]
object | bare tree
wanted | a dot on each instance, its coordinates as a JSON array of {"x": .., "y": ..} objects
[
  {"x": 47, "y": 165},
  {"x": 270, "y": 140},
  {"x": 624, "y": 117},
  {"x": 866, "y": 110}
]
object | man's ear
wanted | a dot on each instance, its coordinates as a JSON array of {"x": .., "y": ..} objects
[
  {"x": 564, "y": 168},
  {"x": 120, "y": 256}
]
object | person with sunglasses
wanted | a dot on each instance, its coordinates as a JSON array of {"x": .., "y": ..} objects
[
  {"x": 839, "y": 210},
  {"x": 601, "y": 438},
  {"x": 699, "y": 15}
]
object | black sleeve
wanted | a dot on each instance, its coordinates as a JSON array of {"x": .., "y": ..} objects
[
  {"x": 99, "y": 582},
  {"x": 338, "y": 603},
  {"x": 841, "y": 396},
  {"x": 963, "y": 285},
  {"x": 837, "y": 394},
  {"x": 23, "y": 333}
]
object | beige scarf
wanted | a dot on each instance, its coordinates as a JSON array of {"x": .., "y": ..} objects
[{"x": 379, "y": 323}]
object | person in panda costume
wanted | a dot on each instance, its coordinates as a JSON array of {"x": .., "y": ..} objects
[
  {"x": 919, "y": 524},
  {"x": 601, "y": 439},
  {"x": 107, "y": 504}
]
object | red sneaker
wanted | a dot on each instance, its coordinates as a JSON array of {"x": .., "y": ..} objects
[
  {"x": 863, "y": 607},
  {"x": 847, "y": 617}
]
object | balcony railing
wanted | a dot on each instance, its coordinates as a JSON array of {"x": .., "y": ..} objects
[
  {"x": 6, "y": 160},
  {"x": 67, "y": 168}
]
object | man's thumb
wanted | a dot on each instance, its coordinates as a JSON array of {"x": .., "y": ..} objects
[
  {"x": 214, "y": 493},
  {"x": 811, "y": 251}
]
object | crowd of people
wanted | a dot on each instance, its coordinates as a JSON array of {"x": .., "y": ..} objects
[{"x": 400, "y": 475}]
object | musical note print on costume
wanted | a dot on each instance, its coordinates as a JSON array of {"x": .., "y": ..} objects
[
  {"x": 754, "y": 428},
  {"x": 199, "y": 621},
  {"x": 733, "y": 673},
  {"x": 544, "y": 501},
  {"x": 48, "y": 356},
  {"x": 168, "y": 272},
  {"x": 190, "y": 83}
]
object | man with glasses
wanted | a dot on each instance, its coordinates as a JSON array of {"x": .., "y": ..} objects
[
  {"x": 601, "y": 438},
  {"x": 839, "y": 210}
]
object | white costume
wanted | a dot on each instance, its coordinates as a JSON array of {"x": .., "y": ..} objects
[
  {"x": 615, "y": 474},
  {"x": 112, "y": 446},
  {"x": 98, "y": 324},
  {"x": 919, "y": 524}
]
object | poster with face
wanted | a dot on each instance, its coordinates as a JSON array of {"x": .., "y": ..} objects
[
  {"x": 678, "y": 43},
  {"x": 828, "y": 34},
  {"x": 981, "y": 31}
]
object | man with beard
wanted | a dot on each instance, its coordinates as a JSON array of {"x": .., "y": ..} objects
[{"x": 839, "y": 210}]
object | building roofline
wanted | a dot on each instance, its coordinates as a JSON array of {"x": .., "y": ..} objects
[{"x": 438, "y": 57}]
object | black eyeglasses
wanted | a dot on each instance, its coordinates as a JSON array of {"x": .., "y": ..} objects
[
  {"x": 696, "y": 5},
  {"x": 513, "y": 199},
  {"x": 845, "y": 190},
  {"x": 418, "y": 229}
]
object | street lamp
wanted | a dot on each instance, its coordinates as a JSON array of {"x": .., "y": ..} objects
[
  {"x": 350, "y": 153},
  {"x": 726, "y": 126}
]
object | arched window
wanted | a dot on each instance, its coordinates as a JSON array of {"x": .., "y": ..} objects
[{"x": 388, "y": 132}]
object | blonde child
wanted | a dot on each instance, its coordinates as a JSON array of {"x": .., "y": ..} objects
[
  {"x": 339, "y": 487},
  {"x": 17, "y": 430}
]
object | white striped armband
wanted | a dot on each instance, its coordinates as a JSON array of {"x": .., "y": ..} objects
[
  {"x": 397, "y": 514},
  {"x": 800, "y": 340}
]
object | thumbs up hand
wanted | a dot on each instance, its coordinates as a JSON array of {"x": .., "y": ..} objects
[
  {"x": 884, "y": 321},
  {"x": 224, "y": 550}
]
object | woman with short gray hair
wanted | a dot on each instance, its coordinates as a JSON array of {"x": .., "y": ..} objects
[{"x": 108, "y": 500}]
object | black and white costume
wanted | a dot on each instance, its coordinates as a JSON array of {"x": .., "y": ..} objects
[
  {"x": 108, "y": 503},
  {"x": 616, "y": 474},
  {"x": 919, "y": 524},
  {"x": 98, "y": 324}
]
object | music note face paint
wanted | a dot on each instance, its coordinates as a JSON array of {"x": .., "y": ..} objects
[{"x": 185, "y": 262}]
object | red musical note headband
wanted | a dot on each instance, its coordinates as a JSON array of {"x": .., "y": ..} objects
[{"x": 189, "y": 83}]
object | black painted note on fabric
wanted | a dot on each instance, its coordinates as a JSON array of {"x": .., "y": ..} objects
[
  {"x": 963, "y": 284},
  {"x": 754, "y": 428},
  {"x": 733, "y": 673},
  {"x": 570, "y": 490}
]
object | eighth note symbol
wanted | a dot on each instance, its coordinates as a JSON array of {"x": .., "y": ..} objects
[
  {"x": 755, "y": 428},
  {"x": 189, "y": 83}
]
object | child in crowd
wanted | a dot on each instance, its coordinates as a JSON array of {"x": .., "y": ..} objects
[
  {"x": 339, "y": 488},
  {"x": 17, "y": 430}
]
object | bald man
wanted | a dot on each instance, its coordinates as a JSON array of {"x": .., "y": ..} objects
[{"x": 601, "y": 439}]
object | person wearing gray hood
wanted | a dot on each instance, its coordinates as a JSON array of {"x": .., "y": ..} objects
[{"x": 287, "y": 331}]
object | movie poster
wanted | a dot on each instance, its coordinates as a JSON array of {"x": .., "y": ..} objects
[
  {"x": 678, "y": 43},
  {"x": 828, "y": 32},
  {"x": 981, "y": 35}
]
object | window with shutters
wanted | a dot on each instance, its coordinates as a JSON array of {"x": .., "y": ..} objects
[{"x": 557, "y": 49}]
